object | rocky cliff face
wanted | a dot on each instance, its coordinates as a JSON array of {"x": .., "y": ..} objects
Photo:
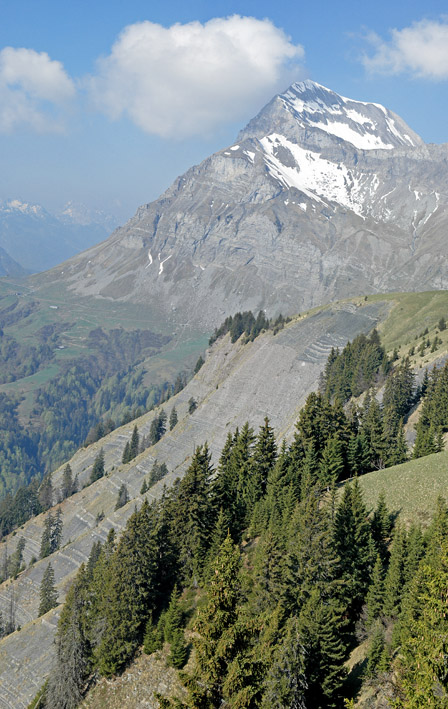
[{"x": 321, "y": 197}]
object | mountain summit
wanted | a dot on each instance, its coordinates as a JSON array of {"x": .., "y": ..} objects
[
  {"x": 334, "y": 118},
  {"x": 321, "y": 197}
]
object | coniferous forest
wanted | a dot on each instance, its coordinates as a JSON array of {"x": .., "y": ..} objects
[{"x": 264, "y": 574}]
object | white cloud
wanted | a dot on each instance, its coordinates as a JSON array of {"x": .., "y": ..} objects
[
  {"x": 188, "y": 79},
  {"x": 421, "y": 50},
  {"x": 32, "y": 87}
]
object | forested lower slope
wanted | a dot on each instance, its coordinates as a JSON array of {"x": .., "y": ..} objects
[{"x": 272, "y": 375}]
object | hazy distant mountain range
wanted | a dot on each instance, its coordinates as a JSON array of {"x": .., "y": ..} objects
[
  {"x": 320, "y": 197},
  {"x": 35, "y": 240}
]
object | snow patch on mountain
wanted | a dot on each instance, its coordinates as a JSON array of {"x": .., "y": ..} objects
[
  {"x": 315, "y": 176},
  {"x": 367, "y": 126}
]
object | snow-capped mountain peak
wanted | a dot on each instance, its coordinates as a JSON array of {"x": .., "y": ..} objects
[{"x": 367, "y": 126}]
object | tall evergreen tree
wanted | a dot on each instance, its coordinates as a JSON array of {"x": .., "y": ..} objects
[
  {"x": 48, "y": 594},
  {"x": 173, "y": 418},
  {"x": 128, "y": 593},
  {"x": 45, "y": 542},
  {"x": 264, "y": 457},
  {"x": 375, "y": 594},
  {"x": 215, "y": 620},
  {"x": 46, "y": 492},
  {"x": 394, "y": 581},
  {"x": 68, "y": 676},
  {"x": 123, "y": 497},
  {"x": 134, "y": 444},
  {"x": 285, "y": 684},
  {"x": 98, "y": 467},
  {"x": 354, "y": 547},
  {"x": 67, "y": 482},
  {"x": 195, "y": 515}
]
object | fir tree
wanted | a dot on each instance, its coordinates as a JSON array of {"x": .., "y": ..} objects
[
  {"x": 144, "y": 488},
  {"x": 152, "y": 640},
  {"x": 173, "y": 616},
  {"x": 179, "y": 649},
  {"x": 123, "y": 497},
  {"x": 332, "y": 463},
  {"x": 126, "y": 457},
  {"x": 134, "y": 444},
  {"x": 98, "y": 467},
  {"x": 192, "y": 405},
  {"x": 173, "y": 418},
  {"x": 375, "y": 594},
  {"x": 67, "y": 680},
  {"x": 46, "y": 493},
  {"x": 354, "y": 547},
  {"x": 128, "y": 593},
  {"x": 67, "y": 482},
  {"x": 376, "y": 650},
  {"x": 394, "y": 581},
  {"x": 215, "y": 620},
  {"x": 45, "y": 543},
  {"x": 48, "y": 593},
  {"x": 285, "y": 684},
  {"x": 56, "y": 531}
]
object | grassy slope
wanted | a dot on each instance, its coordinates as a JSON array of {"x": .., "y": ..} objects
[{"x": 411, "y": 489}]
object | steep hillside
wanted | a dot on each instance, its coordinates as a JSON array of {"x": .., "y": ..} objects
[
  {"x": 272, "y": 375},
  {"x": 242, "y": 382}
]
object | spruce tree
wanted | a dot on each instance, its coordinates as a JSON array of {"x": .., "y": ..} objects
[
  {"x": 422, "y": 676},
  {"x": 45, "y": 543},
  {"x": 128, "y": 593},
  {"x": 126, "y": 457},
  {"x": 151, "y": 639},
  {"x": 285, "y": 684},
  {"x": 264, "y": 457},
  {"x": 179, "y": 649},
  {"x": 45, "y": 495},
  {"x": 194, "y": 515},
  {"x": 331, "y": 466},
  {"x": 134, "y": 444},
  {"x": 123, "y": 497},
  {"x": 354, "y": 546},
  {"x": 56, "y": 531},
  {"x": 375, "y": 594},
  {"x": 394, "y": 581},
  {"x": 376, "y": 650},
  {"x": 98, "y": 467},
  {"x": 48, "y": 594},
  {"x": 322, "y": 629},
  {"x": 67, "y": 482},
  {"x": 67, "y": 680},
  {"x": 173, "y": 418},
  {"x": 173, "y": 616},
  {"x": 214, "y": 622}
]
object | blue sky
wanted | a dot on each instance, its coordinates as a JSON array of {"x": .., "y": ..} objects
[{"x": 105, "y": 103}]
